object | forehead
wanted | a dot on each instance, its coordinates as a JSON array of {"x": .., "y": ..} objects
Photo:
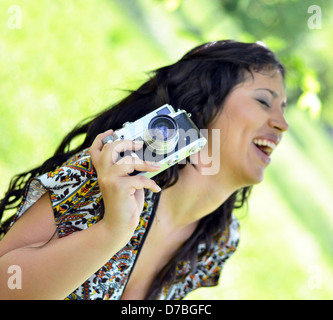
[{"x": 269, "y": 80}]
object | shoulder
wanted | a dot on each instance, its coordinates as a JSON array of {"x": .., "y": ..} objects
[
  {"x": 69, "y": 177},
  {"x": 75, "y": 169},
  {"x": 222, "y": 248},
  {"x": 207, "y": 270},
  {"x": 224, "y": 244},
  {"x": 68, "y": 186},
  {"x": 74, "y": 193},
  {"x": 233, "y": 234}
]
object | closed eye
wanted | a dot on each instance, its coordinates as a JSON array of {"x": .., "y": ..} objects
[{"x": 264, "y": 103}]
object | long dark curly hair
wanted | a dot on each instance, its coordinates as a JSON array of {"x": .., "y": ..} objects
[{"x": 198, "y": 83}]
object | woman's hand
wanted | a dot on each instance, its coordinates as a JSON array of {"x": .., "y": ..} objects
[{"x": 123, "y": 194}]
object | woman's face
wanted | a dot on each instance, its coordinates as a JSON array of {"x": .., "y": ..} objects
[{"x": 250, "y": 127}]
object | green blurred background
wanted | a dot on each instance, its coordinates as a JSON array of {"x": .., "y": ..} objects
[{"x": 64, "y": 60}]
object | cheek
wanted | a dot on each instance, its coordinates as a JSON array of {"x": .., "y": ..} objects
[
  {"x": 243, "y": 123},
  {"x": 235, "y": 134},
  {"x": 236, "y": 125}
]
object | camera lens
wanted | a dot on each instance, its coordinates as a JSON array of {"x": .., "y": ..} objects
[
  {"x": 162, "y": 134},
  {"x": 162, "y": 129}
]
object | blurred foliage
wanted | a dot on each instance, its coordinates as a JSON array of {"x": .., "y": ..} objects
[{"x": 64, "y": 60}]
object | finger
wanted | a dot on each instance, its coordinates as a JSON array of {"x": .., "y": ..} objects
[
  {"x": 140, "y": 182},
  {"x": 98, "y": 142},
  {"x": 112, "y": 150},
  {"x": 128, "y": 164},
  {"x": 97, "y": 145}
]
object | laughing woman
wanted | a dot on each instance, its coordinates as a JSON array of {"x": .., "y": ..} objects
[{"x": 88, "y": 229}]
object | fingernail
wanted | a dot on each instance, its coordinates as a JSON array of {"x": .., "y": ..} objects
[
  {"x": 158, "y": 188},
  {"x": 138, "y": 142},
  {"x": 154, "y": 164}
]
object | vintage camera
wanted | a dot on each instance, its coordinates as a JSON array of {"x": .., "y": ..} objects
[{"x": 168, "y": 137}]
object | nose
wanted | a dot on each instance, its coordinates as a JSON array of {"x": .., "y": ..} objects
[{"x": 279, "y": 122}]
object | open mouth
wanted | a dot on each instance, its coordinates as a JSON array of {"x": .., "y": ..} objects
[{"x": 265, "y": 146}]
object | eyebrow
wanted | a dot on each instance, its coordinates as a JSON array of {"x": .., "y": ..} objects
[{"x": 274, "y": 94}]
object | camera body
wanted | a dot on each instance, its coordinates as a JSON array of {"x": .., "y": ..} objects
[{"x": 168, "y": 137}]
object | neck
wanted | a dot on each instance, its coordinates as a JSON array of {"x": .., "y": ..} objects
[{"x": 193, "y": 197}]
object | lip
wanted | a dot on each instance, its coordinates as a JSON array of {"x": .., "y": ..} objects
[
  {"x": 263, "y": 156},
  {"x": 272, "y": 138}
]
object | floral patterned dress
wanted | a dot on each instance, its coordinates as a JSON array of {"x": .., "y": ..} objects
[{"x": 77, "y": 205}]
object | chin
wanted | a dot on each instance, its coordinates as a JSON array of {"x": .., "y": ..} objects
[
  {"x": 254, "y": 178},
  {"x": 258, "y": 179}
]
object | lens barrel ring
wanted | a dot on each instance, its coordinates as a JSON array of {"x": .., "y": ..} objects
[
  {"x": 108, "y": 139},
  {"x": 162, "y": 134}
]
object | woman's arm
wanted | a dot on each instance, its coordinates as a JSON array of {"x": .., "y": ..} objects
[{"x": 54, "y": 269}]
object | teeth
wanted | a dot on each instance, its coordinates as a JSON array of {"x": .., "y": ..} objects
[{"x": 264, "y": 142}]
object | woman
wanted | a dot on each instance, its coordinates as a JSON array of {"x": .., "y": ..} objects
[{"x": 88, "y": 218}]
